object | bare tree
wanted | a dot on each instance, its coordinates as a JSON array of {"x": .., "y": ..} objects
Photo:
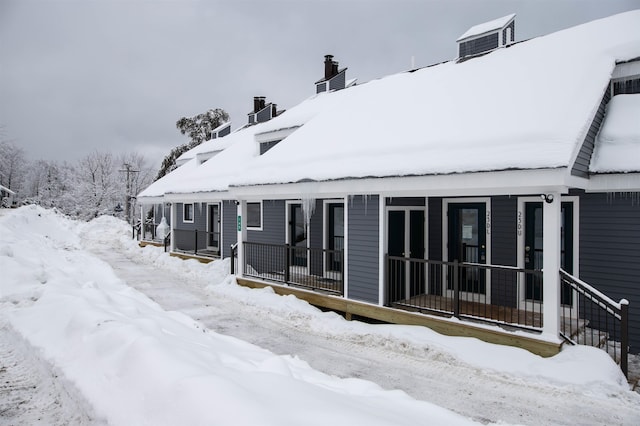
[
  {"x": 96, "y": 184},
  {"x": 13, "y": 166}
]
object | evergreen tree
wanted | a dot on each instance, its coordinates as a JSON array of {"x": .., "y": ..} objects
[{"x": 199, "y": 129}]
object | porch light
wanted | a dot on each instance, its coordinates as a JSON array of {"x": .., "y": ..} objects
[{"x": 547, "y": 197}]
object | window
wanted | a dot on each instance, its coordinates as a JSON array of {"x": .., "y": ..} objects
[
  {"x": 627, "y": 87},
  {"x": 187, "y": 213},
  {"x": 254, "y": 215},
  {"x": 266, "y": 146}
]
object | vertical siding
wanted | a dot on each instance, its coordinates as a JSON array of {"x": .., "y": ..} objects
[
  {"x": 229, "y": 226},
  {"x": 581, "y": 165},
  {"x": 363, "y": 240},
  {"x": 504, "y": 244},
  {"x": 321, "y": 87},
  {"x": 264, "y": 114},
  {"x": 224, "y": 132},
  {"x": 610, "y": 251}
]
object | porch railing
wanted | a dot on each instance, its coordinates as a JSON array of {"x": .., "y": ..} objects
[
  {"x": 591, "y": 318},
  {"x": 313, "y": 268},
  {"x": 461, "y": 290},
  {"x": 201, "y": 243}
]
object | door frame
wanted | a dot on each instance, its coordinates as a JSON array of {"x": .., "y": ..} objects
[
  {"x": 476, "y": 297},
  {"x": 325, "y": 236},
  {"x": 209, "y": 247},
  {"x": 407, "y": 232},
  {"x": 287, "y": 230},
  {"x": 521, "y": 228}
]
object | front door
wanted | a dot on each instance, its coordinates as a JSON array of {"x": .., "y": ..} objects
[
  {"x": 335, "y": 237},
  {"x": 533, "y": 254},
  {"x": 213, "y": 226},
  {"x": 297, "y": 236},
  {"x": 405, "y": 238},
  {"x": 467, "y": 243}
]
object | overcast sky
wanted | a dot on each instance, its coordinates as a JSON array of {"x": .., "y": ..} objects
[{"x": 76, "y": 76}]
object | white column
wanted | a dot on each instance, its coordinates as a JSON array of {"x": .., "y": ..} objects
[
  {"x": 172, "y": 217},
  {"x": 345, "y": 249},
  {"x": 381, "y": 248},
  {"x": 551, "y": 265},
  {"x": 241, "y": 224}
]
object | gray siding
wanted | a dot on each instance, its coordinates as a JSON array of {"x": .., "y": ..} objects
[
  {"x": 264, "y": 114},
  {"x": 269, "y": 259},
  {"x": 581, "y": 165},
  {"x": 321, "y": 87},
  {"x": 504, "y": 243},
  {"x": 229, "y": 226},
  {"x": 363, "y": 241},
  {"x": 512, "y": 25},
  {"x": 224, "y": 132},
  {"x": 273, "y": 217},
  {"x": 338, "y": 82},
  {"x": 478, "y": 45},
  {"x": 610, "y": 251},
  {"x": 185, "y": 240}
]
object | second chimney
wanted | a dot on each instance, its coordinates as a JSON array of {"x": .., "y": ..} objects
[
  {"x": 258, "y": 103},
  {"x": 329, "y": 67}
]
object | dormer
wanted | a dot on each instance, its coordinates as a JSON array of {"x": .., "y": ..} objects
[
  {"x": 222, "y": 130},
  {"x": 625, "y": 79},
  {"x": 262, "y": 111},
  {"x": 483, "y": 38},
  {"x": 334, "y": 78}
]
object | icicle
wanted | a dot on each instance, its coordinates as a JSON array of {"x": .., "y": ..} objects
[
  {"x": 351, "y": 197},
  {"x": 365, "y": 199},
  {"x": 308, "y": 202}
]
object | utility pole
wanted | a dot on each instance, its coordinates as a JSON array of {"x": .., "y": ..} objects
[{"x": 128, "y": 169}]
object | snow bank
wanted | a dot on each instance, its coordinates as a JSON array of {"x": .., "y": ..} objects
[
  {"x": 138, "y": 364},
  {"x": 574, "y": 366}
]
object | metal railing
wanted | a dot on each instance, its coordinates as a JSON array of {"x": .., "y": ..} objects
[
  {"x": 313, "y": 268},
  {"x": 460, "y": 290},
  {"x": 201, "y": 243},
  {"x": 594, "y": 319},
  {"x": 234, "y": 259}
]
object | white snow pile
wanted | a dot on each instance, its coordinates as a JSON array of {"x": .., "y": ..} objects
[
  {"x": 618, "y": 144},
  {"x": 138, "y": 364}
]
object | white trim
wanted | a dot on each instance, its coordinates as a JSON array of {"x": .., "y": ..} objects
[
  {"x": 486, "y": 298},
  {"x": 509, "y": 182},
  {"x": 381, "y": 247},
  {"x": 193, "y": 212},
  {"x": 287, "y": 233},
  {"x": 615, "y": 182},
  {"x": 384, "y": 240},
  {"x": 345, "y": 267},
  {"x": 625, "y": 71},
  {"x": 521, "y": 228},
  {"x": 219, "y": 204},
  {"x": 255, "y": 228},
  {"x": 275, "y": 135},
  {"x": 173, "y": 214},
  {"x": 325, "y": 234}
]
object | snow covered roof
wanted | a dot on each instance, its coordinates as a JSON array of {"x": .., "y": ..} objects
[
  {"x": 526, "y": 107},
  {"x": 211, "y": 145},
  {"x": 486, "y": 27},
  {"x": 617, "y": 147}
]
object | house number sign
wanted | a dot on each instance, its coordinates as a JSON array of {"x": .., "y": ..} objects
[
  {"x": 239, "y": 223},
  {"x": 488, "y": 220}
]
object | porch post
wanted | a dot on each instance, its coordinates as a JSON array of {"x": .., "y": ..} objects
[
  {"x": 241, "y": 224},
  {"x": 551, "y": 264},
  {"x": 381, "y": 250},
  {"x": 172, "y": 218}
]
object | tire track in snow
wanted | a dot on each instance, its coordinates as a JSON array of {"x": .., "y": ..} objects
[
  {"x": 425, "y": 374},
  {"x": 30, "y": 390}
]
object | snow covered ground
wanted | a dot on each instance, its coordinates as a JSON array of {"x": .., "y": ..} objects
[{"x": 95, "y": 330}]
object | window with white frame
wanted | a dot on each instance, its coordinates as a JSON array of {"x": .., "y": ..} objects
[
  {"x": 254, "y": 215},
  {"x": 187, "y": 213}
]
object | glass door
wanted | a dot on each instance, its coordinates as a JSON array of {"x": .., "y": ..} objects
[
  {"x": 467, "y": 243},
  {"x": 297, "y": 236},
  {"x": 213, "y": 225}
]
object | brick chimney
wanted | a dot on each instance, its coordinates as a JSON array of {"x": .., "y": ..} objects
[{"x": 258, "y": 103}]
